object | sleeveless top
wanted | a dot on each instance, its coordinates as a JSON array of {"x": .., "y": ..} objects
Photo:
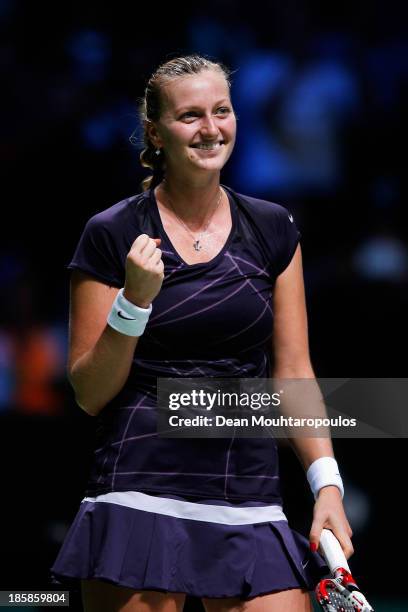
[{"x": 211, "y": 319}]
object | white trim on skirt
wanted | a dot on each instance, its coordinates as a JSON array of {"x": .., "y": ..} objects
[{"x": 226, "y": 515}]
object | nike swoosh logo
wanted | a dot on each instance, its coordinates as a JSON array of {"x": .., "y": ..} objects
[
  {"x": 305, "y": 564},
  {"x": 290, "y": 218},
  {"x": 122, "y": 317}
]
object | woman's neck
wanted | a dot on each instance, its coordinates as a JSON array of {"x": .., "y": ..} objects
[{"x": 190, "y": 200}]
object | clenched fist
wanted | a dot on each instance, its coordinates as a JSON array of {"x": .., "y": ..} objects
[{"x": 144, "y": 271}]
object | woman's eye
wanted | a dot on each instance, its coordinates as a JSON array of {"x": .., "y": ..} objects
[
  {"x": 189, "y": 115},
  {"x": 223, "y": 110}
]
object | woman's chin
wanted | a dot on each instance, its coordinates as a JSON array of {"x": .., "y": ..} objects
[{"x": 214, "y": 164}]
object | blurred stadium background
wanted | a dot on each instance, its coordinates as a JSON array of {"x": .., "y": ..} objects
[{"x": 320, "y": 90}]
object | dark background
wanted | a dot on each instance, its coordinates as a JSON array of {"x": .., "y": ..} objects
[{"x": 320, "y": 91}]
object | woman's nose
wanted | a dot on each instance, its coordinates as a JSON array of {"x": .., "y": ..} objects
[{"x": 209, "y": 127}]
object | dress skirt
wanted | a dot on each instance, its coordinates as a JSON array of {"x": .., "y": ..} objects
[{"x": 150, "y": 550}]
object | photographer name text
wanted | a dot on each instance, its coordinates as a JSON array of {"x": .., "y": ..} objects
[{"x": 260, "y": 421}]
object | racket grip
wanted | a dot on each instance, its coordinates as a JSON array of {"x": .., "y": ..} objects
[{"x": 332, "y": 551}]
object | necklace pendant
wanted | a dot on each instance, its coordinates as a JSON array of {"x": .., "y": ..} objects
[{"x": 197, "y": 245}]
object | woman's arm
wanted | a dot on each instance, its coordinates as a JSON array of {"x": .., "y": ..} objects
[
  {"x": 100, "y": 357},
  {"x": 291, "y": 347},
  {"x": 292, "y": 361}
]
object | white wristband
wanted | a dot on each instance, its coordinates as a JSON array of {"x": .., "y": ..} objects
[
  {"x": 323, "y": 472},
  {"x": 126, "y": 317}
]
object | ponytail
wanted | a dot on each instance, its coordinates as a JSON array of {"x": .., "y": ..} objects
[{"x": 150, "y": 159}]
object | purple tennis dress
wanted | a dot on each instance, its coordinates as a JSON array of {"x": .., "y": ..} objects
[{"x": 200, "y": 516}]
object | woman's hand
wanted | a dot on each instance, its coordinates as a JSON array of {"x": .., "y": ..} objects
[
  {"x": 329, "y": 513},
  {"x": 144, "y": 271}
]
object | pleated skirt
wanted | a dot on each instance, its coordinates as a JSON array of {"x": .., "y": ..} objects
[{"x": 145, "y": 550}]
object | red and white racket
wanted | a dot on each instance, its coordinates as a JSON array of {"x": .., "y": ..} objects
[{"x": 339, "y": 593}]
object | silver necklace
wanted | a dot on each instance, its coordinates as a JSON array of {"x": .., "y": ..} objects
[{"x": 196, "y": 244}]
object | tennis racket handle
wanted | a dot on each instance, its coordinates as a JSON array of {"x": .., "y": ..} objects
[{"x": 332, "y": 551}]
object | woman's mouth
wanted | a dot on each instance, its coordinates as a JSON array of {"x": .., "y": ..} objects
[{"x": 208, "y": 146}]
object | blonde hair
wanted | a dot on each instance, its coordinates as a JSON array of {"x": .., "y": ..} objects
[{"x": 150, "y": 106}]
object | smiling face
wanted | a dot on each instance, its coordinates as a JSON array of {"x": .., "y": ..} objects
[{"x": 197, "y": 126}]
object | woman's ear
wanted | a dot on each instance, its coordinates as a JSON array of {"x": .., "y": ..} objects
[{"x": 153, "y": 134}]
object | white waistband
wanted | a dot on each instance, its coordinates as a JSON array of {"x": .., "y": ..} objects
[{"x": 226, "y": 515}]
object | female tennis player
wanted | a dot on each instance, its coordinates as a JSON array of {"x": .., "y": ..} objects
[{"x": 190, "y": 279}]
